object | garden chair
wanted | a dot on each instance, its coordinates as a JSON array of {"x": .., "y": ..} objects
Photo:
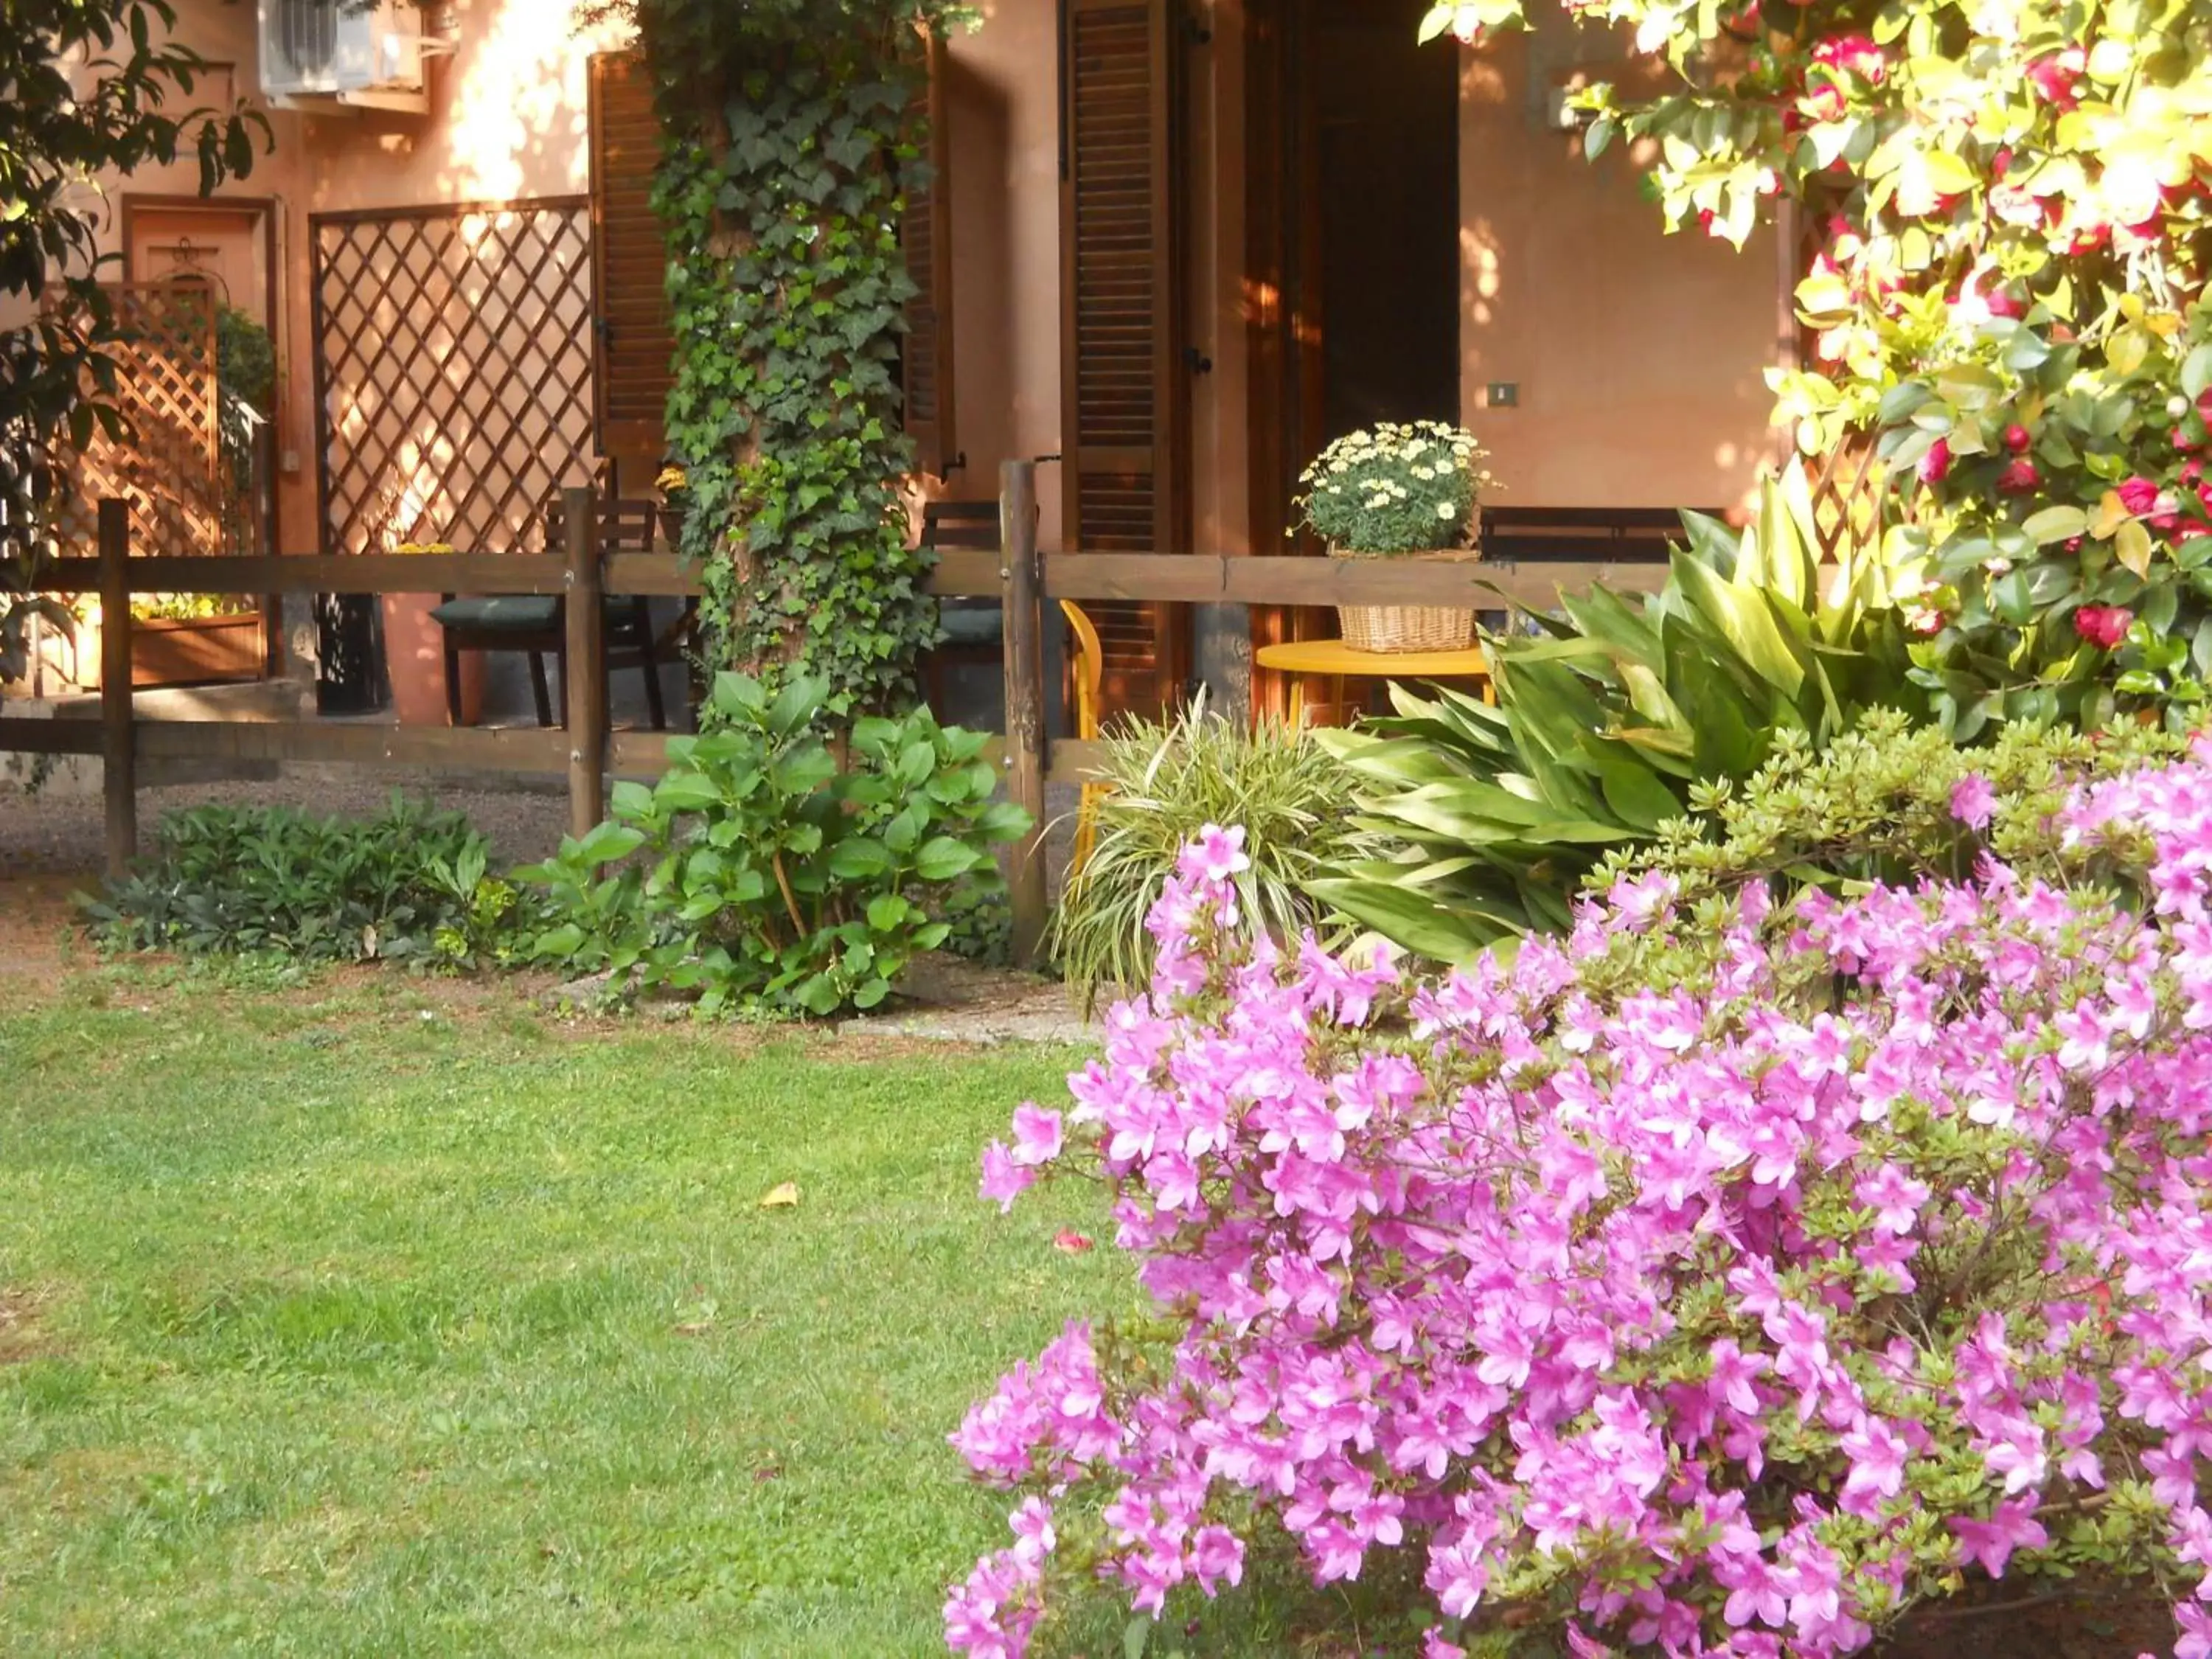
[
  {"x": 970, "y": 632},
  {"x": 1088, "y": 668},
  {"x": 537, "y": 623}
]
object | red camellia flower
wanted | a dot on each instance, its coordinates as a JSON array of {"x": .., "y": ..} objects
[
  {"x": 2017, "y": 438},
  {"x": 2057, "y": 77},
  {"x": 2144, "y": 498},
  {"x": 2204, "y": 405},
  {"x": 2019, "y": 477},
  {"x": 1853, "y": 54},
  {"x": 2104, "y": 625},
  {"x": 1936, "y": 464}
]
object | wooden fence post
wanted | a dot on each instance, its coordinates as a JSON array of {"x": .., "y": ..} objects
[
  {"x": 119, "y": 749},
  {"x": 587, "y": 663},
  {"x": 1021, "y": 582}
]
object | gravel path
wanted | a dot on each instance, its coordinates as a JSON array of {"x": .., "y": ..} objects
[{"x": 58, "y": 832}]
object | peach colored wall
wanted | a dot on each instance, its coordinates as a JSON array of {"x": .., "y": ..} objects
[
  {"x": 1638, "y": 355},
  {"x": 1003, "y": 116}
]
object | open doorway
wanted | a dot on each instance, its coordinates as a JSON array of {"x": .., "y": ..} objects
[
  {"x": 1351, "y": 233},
  {"x": 1352, "y": 246},
  {"x": 1381, "y": 278}
]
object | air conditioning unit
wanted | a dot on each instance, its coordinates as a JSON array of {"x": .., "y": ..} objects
[{"x": 331, "y": 55}]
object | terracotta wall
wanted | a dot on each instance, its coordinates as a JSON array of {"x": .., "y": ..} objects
[
  {"x": 1003, "y": 116},
  {"x": 1638, "y": 356}
]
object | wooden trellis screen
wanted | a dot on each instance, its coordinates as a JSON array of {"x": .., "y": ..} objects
[
  {"x": 452, "y": 369},
  {"x": 167, "y": 463},
  {"x": 1850, "y": 498}
]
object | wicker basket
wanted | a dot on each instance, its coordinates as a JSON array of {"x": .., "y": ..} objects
[{"x": 1399, "y": 628}]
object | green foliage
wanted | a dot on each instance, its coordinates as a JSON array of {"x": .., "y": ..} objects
[
  {"x": 790, "y": 154},
  {"x": 56, "y": 379},
  {"x": 409, "y": 885},
  {"x": 1605, "y": 723},
  {"x": 1164, "y": 783},
  {"x": 757, "y": 871},
  {"x": 2009, "y": 302},
  {"x": 1888, "y": 802},
  {"x": 1394, "y": 489}
]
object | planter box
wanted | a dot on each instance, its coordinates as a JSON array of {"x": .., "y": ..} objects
[{"x": 197, "y": 650}]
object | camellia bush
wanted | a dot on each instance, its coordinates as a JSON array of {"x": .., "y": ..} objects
[
  {"x": 1735, "y": 1310},
  {"x": 2007, "y": 300}
]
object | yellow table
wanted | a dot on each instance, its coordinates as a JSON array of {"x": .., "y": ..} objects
[{"x": 1341, "y": 663}]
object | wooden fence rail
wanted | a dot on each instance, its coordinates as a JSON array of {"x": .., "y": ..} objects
[{"x": 589, "y": 750}]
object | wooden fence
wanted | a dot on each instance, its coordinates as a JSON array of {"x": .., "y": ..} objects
[{"x": 589, "y": 750}]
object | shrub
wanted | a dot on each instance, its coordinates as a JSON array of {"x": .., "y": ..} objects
[
  {"x": 757, "y": 870},
  {"x": 1606, "y": 721},
  {"x": 1165, "y": 783},
  {"x": 1889, "y": 802},
  {"x": 1735, "y": 1315},
  {"x": 408, "y": 885}
]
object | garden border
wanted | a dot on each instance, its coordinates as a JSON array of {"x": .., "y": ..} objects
[{"x": 1018, "y": 576}]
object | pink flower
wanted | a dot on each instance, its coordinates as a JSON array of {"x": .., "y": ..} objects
[
  {"x": 1217, "y": 854},
  {"x": 1037, "y": 1136},
  {"x": 1003, "y": 1178},
  {"x": 1894, "y": 1196},
  {"x": 2104, "y": 626},
  {"x": 2017, "y": 438},
  {"x": 2012, "y": 1526},
  {"x": 1217, "y": 1558},
  {"x": 1973, "y": 799}
]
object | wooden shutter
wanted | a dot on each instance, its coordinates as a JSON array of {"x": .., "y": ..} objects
[
  {"x": 1124, "y": 389},
  {"x": 926, "y": 235},
  {"x": 633, "y": 343}
]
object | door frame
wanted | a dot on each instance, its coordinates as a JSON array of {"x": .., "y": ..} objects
[{"x": 265, "y": 208}]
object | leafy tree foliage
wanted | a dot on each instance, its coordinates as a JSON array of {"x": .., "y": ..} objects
[{"x": 2008, "y": 300}]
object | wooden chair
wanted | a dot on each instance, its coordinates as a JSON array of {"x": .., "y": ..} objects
[
  {"x": 537, "y": 623},
  {"x": 1088, "y": 665},
  {"x": 970, "y": 632}
]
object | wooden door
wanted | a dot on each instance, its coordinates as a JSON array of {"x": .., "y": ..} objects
[{"x": 1125, "y": 438}]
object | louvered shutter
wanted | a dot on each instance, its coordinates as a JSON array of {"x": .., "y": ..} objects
[
  {"x": 1124, "y": 439},
  {"x": 633, "y": 343},
  {"x": 925, "y": 237}
]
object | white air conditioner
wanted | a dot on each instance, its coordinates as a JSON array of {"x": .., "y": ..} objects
[{"x": 344, "y": 54}]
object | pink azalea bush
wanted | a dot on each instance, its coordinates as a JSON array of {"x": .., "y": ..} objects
[{"x": 1729, "y": 1316}]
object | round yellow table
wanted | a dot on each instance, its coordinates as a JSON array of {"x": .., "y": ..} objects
[{"x": 1341, "y": 663}]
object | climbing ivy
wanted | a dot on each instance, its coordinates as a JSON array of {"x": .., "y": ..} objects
[{"x": 793, "y": 140}]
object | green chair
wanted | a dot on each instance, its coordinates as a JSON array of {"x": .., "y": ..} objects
[{"x": 537, "y": 623}]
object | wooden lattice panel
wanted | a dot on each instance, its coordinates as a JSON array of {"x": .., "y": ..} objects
[
  {"x": 1850, "y": 496},
  {"x": 167, "y": 463},
  {"x": 453, "y": 373}
]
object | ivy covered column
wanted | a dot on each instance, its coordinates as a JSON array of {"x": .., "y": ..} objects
[{"x": 792, "y": 134}]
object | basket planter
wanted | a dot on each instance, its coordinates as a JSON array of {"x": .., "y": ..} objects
[
  {"x": 1405, "y": 627},
  {"x": 197, "y": 650}
]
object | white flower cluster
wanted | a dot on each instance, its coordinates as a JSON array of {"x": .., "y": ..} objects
[{"x": 1395, "y": 487}]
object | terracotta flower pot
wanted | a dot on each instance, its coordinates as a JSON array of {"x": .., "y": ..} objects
[{"x": 415, "y": 658}]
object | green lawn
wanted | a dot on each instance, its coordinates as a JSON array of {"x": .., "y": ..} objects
[{"x": 371, "y": 1319}]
